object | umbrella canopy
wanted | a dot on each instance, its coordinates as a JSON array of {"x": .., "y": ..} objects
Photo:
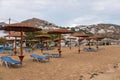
[
  {"x": 20, "y": 27},
  {"x": 45, "y": 41},
  {"x": 15, "y": 34},
  {"x": 59, "y": 31},
  {"x": 79, "y": 35},
  {"x": 96, "y": 37},
  {"x": 58, "y": 39},
  {"x": 71, "y": 38},
  {"x": 79, "y": 40},
  {"x": 33, "y": 40},
  {"x": 41, "y": 37}
]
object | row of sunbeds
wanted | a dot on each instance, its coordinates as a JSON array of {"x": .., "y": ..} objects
[{"x": 8, "y": 61}]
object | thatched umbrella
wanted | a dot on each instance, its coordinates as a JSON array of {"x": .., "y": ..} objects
[
  {"x": 58, "y": 39},
  {"x": 59, "y": 32},
  {"x": 70, "y": 38},
  {"x": 15, "y": 34},
  {"x": 41, "y": 37},
  {"x": 46, "y": 42},
  {"x": 97, "y": 38},
  {"x": 32, "y": 42},
  {"x": 20, "y": 27},
  {"x": 79, "y": 40}
]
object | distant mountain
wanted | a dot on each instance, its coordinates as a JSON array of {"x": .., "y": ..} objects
[
  {"x": 40, "y": 23},
  {"x": 108, "y": 30}
]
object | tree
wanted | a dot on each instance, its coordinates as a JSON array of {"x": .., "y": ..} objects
[
  {"x": 2, "y": 41},
  {"x": 73, "y": 29}
]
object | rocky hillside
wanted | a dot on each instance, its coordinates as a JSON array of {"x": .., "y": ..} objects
[
  {"x": 40, "y": 23},
  {"x": 108, "y": 30}
]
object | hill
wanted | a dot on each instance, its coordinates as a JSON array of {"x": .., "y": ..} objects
[
  {"x": 108, "y": 30},
  {"x": 40, "y": 23}
]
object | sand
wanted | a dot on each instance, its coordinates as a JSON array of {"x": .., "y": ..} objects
[{"x": 101, "y": 65}]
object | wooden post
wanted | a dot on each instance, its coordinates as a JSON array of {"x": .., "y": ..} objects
[
  {"x": 79, "y": 45},
  {"x": 41, "y": 45},
  {"x": 59, "y": 49},
  {"x": 89, "y": 44},
  {"x": 70, "y": 43},
  {"x": 15, "y": 47},
  {"x": 21, "y": 48},
  {"x": 97, "y": 45}
]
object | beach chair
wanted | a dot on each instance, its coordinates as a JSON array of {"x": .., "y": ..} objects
[
  {"x": 89, "y": 50},
  {"x": 56, "y": 55},
  {"x": 52, "y": 55},
  {"x": 47, "y": 54},
  {"x": 39, "y": 58},
  {"x": 9, "y": 61},
  {"x": 2, "y": 49},
  {"x": 8, "y": 48},
  {"x": 28, "y": 50}
]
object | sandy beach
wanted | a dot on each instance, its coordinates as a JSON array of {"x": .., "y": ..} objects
[{"x": 101, "y": 65}]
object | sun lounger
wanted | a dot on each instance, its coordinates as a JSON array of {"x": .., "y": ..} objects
[
  {"x": 89, "y": 49},
  {"x": 8, "y": 48},
  {"x": 53, "y": 55},
  {"x": 9, "y": 61},
  {"x": 1, "y": 49},
  {"x": 28, "y": 50},
  {"x": 39, "y": 58}
]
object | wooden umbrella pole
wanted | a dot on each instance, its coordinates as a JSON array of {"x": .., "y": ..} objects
[
  {"x": 89, "y": 44},
  {"x": 59, "y": 49},
  {"x": 21, "y": 49},
  {"x": 15, "y": 47},
  {"x": 97, "y": 44},
  {"x": 70, "y": 44},
  {"x": 41, "y": 45},
  {"x": 21, "y": 44},
  {"x": 79, "y": 45}
]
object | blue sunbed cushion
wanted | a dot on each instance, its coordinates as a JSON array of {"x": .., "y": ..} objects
[
  {"x": 38, "y": 57},
  {"x": 9, "y": 60}
]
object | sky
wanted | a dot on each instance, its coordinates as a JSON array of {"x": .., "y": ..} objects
[{"x": 62, "y": 12}]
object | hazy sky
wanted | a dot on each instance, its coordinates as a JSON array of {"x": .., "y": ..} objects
[{"x": 62, "y": 12}]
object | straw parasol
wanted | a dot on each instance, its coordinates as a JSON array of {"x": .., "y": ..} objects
[
  {"x": 58, "y": 39},
  {"x": 15, "y": 34},
  {"x": 41, "y": 37},
  {"x": 79, "y": 40},
  {"x": 46, "y": 42},
  {"x": 71, "y": 38},
  {"x": 31, "y": 42},
  {"x": 20, "y": 27},
  {"x": 59, "y": 32},
  {"x": 97, "y": 38}
]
